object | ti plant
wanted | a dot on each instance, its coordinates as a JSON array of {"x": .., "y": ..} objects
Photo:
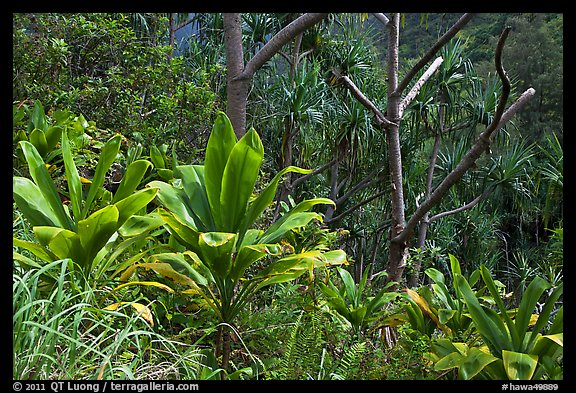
[
  {"x": 518, "y": 344},
  {"x": 353, "y": 302},
  {"x": 450, "y": 315},
  {"x": 40, "y": 133},
  {"x": 85, "y": 234},
  {"x": 213, "y": 216}
]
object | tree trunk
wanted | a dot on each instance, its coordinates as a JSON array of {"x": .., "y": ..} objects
[
  {"x": 237, "y": 84},
  {"x": 398, "y": 254},
  {"x": 240, "y": 75}
]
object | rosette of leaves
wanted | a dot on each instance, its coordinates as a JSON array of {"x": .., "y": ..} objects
[
  {"x": 354, "y": 301},
  {"x": 518, "y": 344},
  {"x": 212, "y": 214},
  {"x": 78, "y": 229}
]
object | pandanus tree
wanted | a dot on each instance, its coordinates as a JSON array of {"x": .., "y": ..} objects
[
  {"x": 390, "y": 121},
  {"x": 214, "y": 220}
]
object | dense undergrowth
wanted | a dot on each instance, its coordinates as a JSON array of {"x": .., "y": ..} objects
[{"x": 148, "y": 242}]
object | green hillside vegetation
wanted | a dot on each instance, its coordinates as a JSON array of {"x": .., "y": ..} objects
[{"x": 333, "y": 231}]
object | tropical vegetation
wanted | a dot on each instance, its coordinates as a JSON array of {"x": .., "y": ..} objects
[{"x": 283, "y": 196}]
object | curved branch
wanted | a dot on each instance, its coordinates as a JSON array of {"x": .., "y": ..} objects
[
  {"x": 279, "y": 40},
  {"x": 476, "y": 150},
  {"x": 469, "y": 205}
]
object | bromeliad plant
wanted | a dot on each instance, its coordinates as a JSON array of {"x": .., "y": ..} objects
[
  {"x": 86, "y": 234},
  {"x": 213, "y": 216},
  {"x": 518, "y": 344}
]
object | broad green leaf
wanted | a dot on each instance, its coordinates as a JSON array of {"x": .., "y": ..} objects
[
  {"x": 487, "y": 327},
  {"x": 250, "y": 237},
  {"x": 186, "y": 263},
  {"x": 544, "y": 317},
  {"x": 454, "y": 264},
  {"x": 131, "y": 179},
  {"x": 194, "y": 187},
  {"x": 220, "y": 143},
  {"x": 335, "y": 300},
  {"x": 435, "y": 275},
  {"x": 445, "y": 315},
  {"x": 36, "y": 249},
  {"x": 264, "y": 200},
  {"x": 527, "y": 305},
  {"x": 32, "y": 204},
  {"x": 519, "y": 366},
  {"x": 487, "y": 277},
  {"x": 449, "y": 361},
  {"x": 162, "y": 268},
  {"x": 383, "y": 297},
  {"x": 95, "y": 231},
  {"x": 474, "y": 362},
  {"x": 238, "y": 180},
  {"x": 157, "y": 158},
  {"x": 443, "y": 294},
  {"x": 288, "y": 222},
  {"x": 174, "y": 199},
  {"x": 133, "y": 203},
  {"x": 184, "y": 233},
  {"x": 293, "y": 266},
  {"x": 24, "y": 261},
  {"x": 38, "y": 139},
  {"x": 53, "y": 135},
  {"x": 45, "y": 184},
  {"x": 558, "y": 338},
  {"x": 443, "y": 346},
  {"x": 217, "y": 250},
  {"x": 38, "y": 117},
  {"x": 350, "y": 287},
  {"x": 107, "y": 157},
  {"x": 138, "y": 225},
  {"x": 73, "y": 179},
  {"x": 62, "y": 242},
  {"x": 250, "y": 254},
  {"x": 357, "y": 316}
]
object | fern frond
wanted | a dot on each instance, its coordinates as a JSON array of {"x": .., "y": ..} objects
[{"x": 350, "y": 362}]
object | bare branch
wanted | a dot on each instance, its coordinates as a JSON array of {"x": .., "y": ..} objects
[
  {"x": 382, "y": 18},
  {"x": 418, "y": 85},
  {"x": 182, "y": 24},
  {"x": 279, "y": 40},
  {"x": 316, "y": 171},
  {"x": 355, "y": 207},
  {"x": 368, "y": 181},
  {"x": 380, "y": 118},
  {"x": 469, "y": 205},
  {"x": 476, "y": 150},
  {"x": 432, "y": 51}
]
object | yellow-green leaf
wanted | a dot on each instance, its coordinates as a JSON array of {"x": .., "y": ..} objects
[
  {"x": 146, "y": 283},
  {"x": 142, "y": 310},
  {"x": 519, "y": 366}
]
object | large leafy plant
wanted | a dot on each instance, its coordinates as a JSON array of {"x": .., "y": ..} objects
[
  {"x": 353, "y": 301},
  {"x": 213, "y": 216},
  {"x": 87, "y": 233},
  {"x": 518, "y": 344},
  {"x": 443, "y": 307}
]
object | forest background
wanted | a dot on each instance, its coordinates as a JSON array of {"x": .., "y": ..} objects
[{"x": 92, "y": 76}]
